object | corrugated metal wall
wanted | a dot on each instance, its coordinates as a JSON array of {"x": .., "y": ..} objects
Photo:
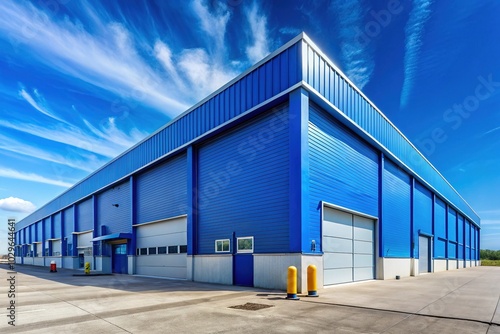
[
  {"x": 243, "y": 186},
  {"x": 68, "y": 222},
  {"x": 461, "y": 237},
  {"x": 343, "y": 168},
  {"x": 318, "y": 73},
  {"x": 48, "y": 228},
  {"x": 396, "y": 211},
  {"x": 422, "y": 213},
  {"x": 57, "y": 225},
  {"x": 36, "y": 232},
  {"x": 162, "y": 191},
  {"x": 115, "y": 218},
  {"x": 452, "y": 234},
  {"x": 467, "y": 240},
  {"x": 263, "y": 82},
  {"x": 84, "y": 218},
  {"x": 440, "y": 229}
]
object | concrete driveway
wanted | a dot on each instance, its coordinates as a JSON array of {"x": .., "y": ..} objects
[{"x": 460, "y": 301}]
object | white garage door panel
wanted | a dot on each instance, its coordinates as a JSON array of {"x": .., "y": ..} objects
[
  {"x": 337, "y": 245},
  {"x": 162, "y": 234},
  {"x": 362, "y": 274},
  {"x": 348, "y": 247},
  {"x": 364, "y": 247},
  {"x": 333, "y": 261},
  {"x": 336, "y": 276}
]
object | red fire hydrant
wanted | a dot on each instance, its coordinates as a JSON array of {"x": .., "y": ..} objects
[{"x": 53, "y": 267}]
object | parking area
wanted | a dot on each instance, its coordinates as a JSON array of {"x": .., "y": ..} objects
[{"x": 459, "y": 301}]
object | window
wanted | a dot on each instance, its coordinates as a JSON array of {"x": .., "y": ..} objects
[
  {"x": 152, "y": 250},
  {"x": 173, "y": 249},
  {"x": 183, "y": 249},
  {"x": 144, "y": 251},
  {"x": 162, "y": 250},
  {"x": 137, "y": 251},
  {"x": 245, "y": 245},
  {"x": 222, "y": 245}
]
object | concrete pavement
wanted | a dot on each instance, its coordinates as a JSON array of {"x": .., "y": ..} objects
[{"x": 460, "y": 301}]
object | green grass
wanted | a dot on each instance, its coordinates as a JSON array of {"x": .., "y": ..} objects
[{"x": 495, "y": 263}]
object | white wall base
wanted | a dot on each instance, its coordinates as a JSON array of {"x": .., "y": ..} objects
[
  {"x": 18, "y": 260},
  {"x": 440, "y": 265},
  {"x": 211, "y": 268},
  {"x": 389, "y": 268},
  {"x": 38, "y": 261},
  {"x": 467, "y": 264},
  {"x": 103, "y": 264},
  {"x": 131, "y": 265},
  {"x": 28, "y": 260},
  {"x": 414, "y": 267},
  {"x": 70, "y": 262},
  {"x": 453, "y": 264}
]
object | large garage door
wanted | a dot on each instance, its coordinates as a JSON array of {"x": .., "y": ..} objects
[
  {"x": 161, "y": 248},
  {"x": 348, "y": 247}
]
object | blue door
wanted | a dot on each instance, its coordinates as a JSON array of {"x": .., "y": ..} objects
[
  {"x": 119, "y": 259},
  {"x": 243, "y": 269}
]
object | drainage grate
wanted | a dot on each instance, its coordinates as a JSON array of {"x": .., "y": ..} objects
[{"x": 251, "y": 306}]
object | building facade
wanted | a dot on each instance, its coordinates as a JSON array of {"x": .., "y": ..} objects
[{"x": 287, "y": 164}]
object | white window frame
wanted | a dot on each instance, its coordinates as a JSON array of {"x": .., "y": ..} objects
[
  {"x": 222, "y": 246},
  {"x": 238, "y": 250}
]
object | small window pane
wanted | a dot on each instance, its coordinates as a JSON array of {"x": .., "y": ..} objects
[
  {"x": 245, "y": 244},
  {"x": 225, "y": 245},
  {"x": 183, "y": 249},
  {"x": 137, "y": 251},
  {"x": 162, "y": 250},
  {"x": 219, "y": 246},
  {"x": 173, "y": 250},
  {"x": 222, "y": 245},
  {"x": 144, "y": 251},
  {"x": 152, "y": 250}
]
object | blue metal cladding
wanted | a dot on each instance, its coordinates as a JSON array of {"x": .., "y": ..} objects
[
  {"x": 461, "y": 240},
  {"x": 467, "y": 240},
  {"x": 84, "y": 218},
  {"x": 343, "y": 168},
  {"x": 452, "y": 234},
  {"x": 68, "y": 222},
  {"x": 440, "y": 229},
  {"x": 36, "y": 232},
  {"x": 113, "y": 209},
  {"x": 243, "y": 184},
  {"x": 277, "y": 74},
  {"x": 162, "y": 191},
  {"x": 57, "y": 225},
  {"x": 48, "y": 228},
  {"x": 422, "y": 213},
  {"x": 331, "y": 84},
  {"x": 396, "y": 211}
]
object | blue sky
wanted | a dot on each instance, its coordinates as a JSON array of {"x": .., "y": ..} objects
[{"x": 82, "y": 81}]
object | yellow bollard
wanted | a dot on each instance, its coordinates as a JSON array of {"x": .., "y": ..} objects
[
  {"x": 87, "y": 268},
  {"x": 291, "y": 289},
  {"x": 312, "y": 286}
]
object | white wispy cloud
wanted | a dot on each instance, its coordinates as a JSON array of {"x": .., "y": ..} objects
[
  {"x": 72, "y": 159},
  {"x": 14, "y": 174},
  {"x": 258, "y": 28},
  {"x": 107, "y": 59},
  {"x": 491, "y": 131},
  {"x": 14, "y": 204},
  {"x": 414, "y": 31},
  {"x": 109, "y": 141},
  {"x": 356, "y": 55},
  {"x": 213, "y": 23}
]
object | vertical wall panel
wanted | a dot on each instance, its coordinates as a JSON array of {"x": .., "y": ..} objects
[
  {"x": 48, "y": 228},
  {"x": 57, "y": 225},
  {"x": 461, "y": 237},
  {"x": 161, "y": 191},
  {"x": 243, "y": 185},
  {"x": 84, "y": 217},
  {"x": 467, "y": 240},
  {"x": 68, "y": 222},
  {"x": 440, "y": 229},
  {"x": 116, "y": 218},
  {"x": 422, "y": 213},
  {"x": 396, "y": 211},
  {"x": 37, "y": 231},
  {"x": 452, "y": 234}
]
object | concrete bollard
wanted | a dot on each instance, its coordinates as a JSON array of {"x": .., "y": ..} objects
[
  {"x": 312, "y": 286},
  {"x": 291, "y": 289}
]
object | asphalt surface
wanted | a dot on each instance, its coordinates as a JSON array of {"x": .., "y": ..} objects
[{"x": 459, "y": 301}]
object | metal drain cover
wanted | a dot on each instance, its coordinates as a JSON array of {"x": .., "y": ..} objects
[{"x": 251, "y": 306}]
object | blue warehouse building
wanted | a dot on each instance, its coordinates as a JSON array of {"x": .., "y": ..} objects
[{"x": 287, "y": 164}]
